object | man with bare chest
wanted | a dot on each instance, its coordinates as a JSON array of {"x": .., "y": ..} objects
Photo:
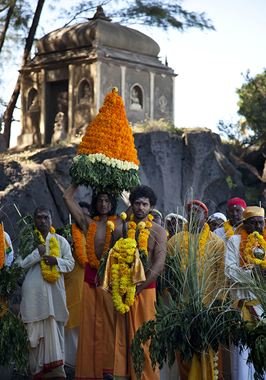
[
  {"x": 153, "y": 245},
  {"x": 95, "y": 355}
]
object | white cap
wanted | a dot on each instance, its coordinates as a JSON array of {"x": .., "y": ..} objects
[{"x": 217, "y": 215}]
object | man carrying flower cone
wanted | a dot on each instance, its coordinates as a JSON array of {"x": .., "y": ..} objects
[
  {"x": 246, "y": 252},
  {"x": 95, "y": 355},
  {"x": 107, "y": 162}
]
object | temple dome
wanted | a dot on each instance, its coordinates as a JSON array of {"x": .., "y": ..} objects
[{"x": 97, "y": 33}]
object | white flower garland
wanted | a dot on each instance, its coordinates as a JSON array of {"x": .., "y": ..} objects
[{"x": 113, "y": 162}]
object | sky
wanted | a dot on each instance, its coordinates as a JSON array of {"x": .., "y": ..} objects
[{"x": 209, "y": 64}]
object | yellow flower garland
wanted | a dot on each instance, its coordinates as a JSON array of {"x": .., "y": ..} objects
[
  {"x": 123, "y": 289},
  {"x": 247, "y": 246},
  {"x": 122, "y": 256},
  {"x": 229, "y": 230},
  {"x": 50, "y": 273},
  {"x": 203, "y": 239},
  {"x": 143, "y": 228}
]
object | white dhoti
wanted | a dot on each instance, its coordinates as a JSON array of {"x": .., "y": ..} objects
[{"x": 46, "y": 339}]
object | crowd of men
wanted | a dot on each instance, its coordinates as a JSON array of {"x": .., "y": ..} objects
[{"x": 70, "y": 319}]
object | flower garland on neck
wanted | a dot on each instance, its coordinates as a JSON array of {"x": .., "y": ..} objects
[
  {"x": 140, "y": 232},
  {"x": 50, "y": 273},
  {"x": 123, "y": 256},
  {"x": 202, "y": 242},
  {"x": 248, "y": 245},
  {"x": 93, "y": 260},
  {"x": 229, "y": 230},
  {"x": 4, "y": 246}
]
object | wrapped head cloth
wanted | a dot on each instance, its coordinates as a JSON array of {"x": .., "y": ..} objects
[
  {"x": 252, "y": 211},
  {"x": 236, "y": 202}
]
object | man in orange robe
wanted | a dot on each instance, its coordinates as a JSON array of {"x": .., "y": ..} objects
[
  {"x": 95, "y": 355},
  {"x": 142, "y": 200}
]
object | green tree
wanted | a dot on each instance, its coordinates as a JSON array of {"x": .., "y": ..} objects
[
  {"x": 163, "y": 14},
  {"x": 14, "y": 19},
  {"x": 8, "y": 114},
  {"x": 252, "y": 105}
]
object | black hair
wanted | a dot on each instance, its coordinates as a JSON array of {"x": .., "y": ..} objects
[
  {"x": 40, "y": 209},
  {"x": 143, "y": 191},
  {"x": 86, "y": 205},
  {"x": 112, "y": 199}
]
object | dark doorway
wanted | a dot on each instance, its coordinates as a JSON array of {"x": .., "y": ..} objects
[{"x": 56, "y": 102}]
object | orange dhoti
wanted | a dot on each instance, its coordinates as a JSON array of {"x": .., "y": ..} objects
[
  {"x": 127, "y": 325},
  {"x": 95, "y": 355}
]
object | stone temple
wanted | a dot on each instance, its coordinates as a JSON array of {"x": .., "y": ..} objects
[{"x": 65, "y": 83}]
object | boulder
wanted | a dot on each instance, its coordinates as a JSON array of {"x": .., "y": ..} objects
[{"x": 178, "y": 168}]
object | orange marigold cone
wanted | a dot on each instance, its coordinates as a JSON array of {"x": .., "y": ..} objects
[{"x": 107, "y": 158}]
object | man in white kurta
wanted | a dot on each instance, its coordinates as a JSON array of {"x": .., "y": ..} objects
[
  {"x": 43, "y": 306},
  {"x": 253, "y": 220}
]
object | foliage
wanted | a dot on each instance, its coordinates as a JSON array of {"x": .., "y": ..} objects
[
  {"x": 28, "y": 240},
  {"x": 254, "y": 337},
  {"x": 9, "y": 277},
  {"x": 102, "y": 177},
  {"x": 18, "y": 25},
  {"x": 13, "y": 342},
  {"x": 66, "y": 233},
  {"x": 252, "y": 105},
  {"x": 229, "y": 131},
  {"x": 184, "y": 321},
  {"x": 162, "y": 14}
]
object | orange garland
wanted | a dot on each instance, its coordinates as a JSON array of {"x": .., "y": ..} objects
[
  {"x": 93, "y": 260},
  {"x": 79, "y": 245},
  {"x": 109, "y": 133},
  {"x": 2, "y": 246}
]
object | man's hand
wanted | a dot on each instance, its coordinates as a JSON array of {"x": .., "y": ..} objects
[
  {"x": 50, "y": 260},
  {"x": 41, "y": 249}
]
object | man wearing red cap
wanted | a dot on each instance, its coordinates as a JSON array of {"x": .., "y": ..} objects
[
  {"x": 234, "y": 211},
  {"x": 210, "y": 264},
  {"x": 245, "y": 251}
]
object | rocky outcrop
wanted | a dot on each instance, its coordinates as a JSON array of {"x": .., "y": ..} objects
[{"x": 178, "y": 168}]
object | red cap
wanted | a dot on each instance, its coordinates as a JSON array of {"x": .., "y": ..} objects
[
  {"x": 200, "y": 204},
  {"x": 236, "y": 202}
]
